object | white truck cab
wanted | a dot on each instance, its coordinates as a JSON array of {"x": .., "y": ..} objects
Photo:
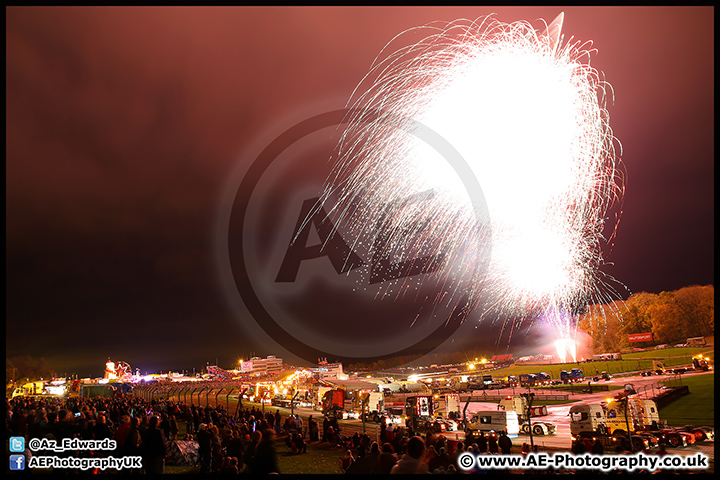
[{"x": 587, "y": 418}]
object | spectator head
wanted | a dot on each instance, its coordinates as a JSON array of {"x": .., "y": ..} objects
[
  {"x": 154, "y": 421},
  {"x": 374, "y": 448},
  {"x": 63, "y": 415},
  {"x": 388, "y": 448},
  {"x": 416, "y": 447}
]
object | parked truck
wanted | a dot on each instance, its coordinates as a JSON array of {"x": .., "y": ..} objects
[
  {"x": 528, "y": 380},
  {"x": 701, "y": 363},
  {"x": 610, "y": 419},
  {"x": 658, "y": 368},
  {"x": 419, "y": 411},
  {"x": 543, "y": 378},
  {"x": 448, "y": 405},
  {"x": 575, "y": 375}
]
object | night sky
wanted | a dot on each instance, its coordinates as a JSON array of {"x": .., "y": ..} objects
[{"x": 127, "y": 127}]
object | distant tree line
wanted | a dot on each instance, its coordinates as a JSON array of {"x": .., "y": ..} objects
[
  {"x": 27, "y": 367},
  {"x": 421, "y": 360},
  {"x": 670, "y": 316}
]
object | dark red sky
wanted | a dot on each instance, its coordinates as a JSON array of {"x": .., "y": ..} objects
[{"x": 124, "y": 125}]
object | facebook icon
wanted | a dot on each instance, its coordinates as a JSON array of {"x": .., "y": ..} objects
[{"x": 17, "y": 462}]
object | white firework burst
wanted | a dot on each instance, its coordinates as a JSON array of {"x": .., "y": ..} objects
[{"x": 526, "y": 112}]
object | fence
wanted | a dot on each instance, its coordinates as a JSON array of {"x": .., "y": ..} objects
[
  {"x": 665, "y": 391},
  {"x": 200, "y": 396},
  {"x": 670, "y": 395}
]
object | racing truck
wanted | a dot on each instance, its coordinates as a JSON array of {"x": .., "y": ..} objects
[
  {"x": 519, "y": 405},
  {"x": 575, "y": 375},
  {"x": 613, "y": 418}
]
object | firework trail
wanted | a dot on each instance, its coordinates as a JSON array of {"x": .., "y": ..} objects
[{"x": 527, "y": 114}]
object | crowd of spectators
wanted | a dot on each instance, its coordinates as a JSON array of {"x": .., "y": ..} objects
[
  {"x": 243, "y": 442},
  {"x": 400, "y": 451}
]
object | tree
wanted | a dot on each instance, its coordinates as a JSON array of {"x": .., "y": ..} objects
[
  {"x": 604, "y": 324},
  {"x": 613, "y": 339},
  {"x": 23, "y": 367},
  {"x": 636, "y": 318},
  {"x": 696, "y": 310},
  {"x": 671, "y": 316},
  {"x": 664, "y": 315}
]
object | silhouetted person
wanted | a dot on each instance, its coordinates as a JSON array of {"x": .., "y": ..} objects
[
  {"x": 505, "y": 443},
  {"x": 492, "y": 444},
  {"x": 482, "y": 443},
  {"x": 412, "y": 461},
  {"x": 265, "y": 460},
  {"x": 153, "y": 448}
]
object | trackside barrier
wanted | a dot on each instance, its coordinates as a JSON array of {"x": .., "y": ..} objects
[{"x": 497, "y": 398}]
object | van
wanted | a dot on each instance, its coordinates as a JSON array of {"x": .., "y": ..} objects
[
  {"x": 696, "y": 342},
  {"x": 499, "y": 420},
  {"x": 661, "y": 347}
]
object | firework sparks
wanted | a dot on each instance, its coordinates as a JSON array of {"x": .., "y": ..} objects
[
  {"x": 526, "y": 112},
  {"x": 565, "y": 346}
]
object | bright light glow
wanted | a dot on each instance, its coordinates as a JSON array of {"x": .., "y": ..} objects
[
  {"x": 527, "y": 114},
  {"x": 565, "y": 347},
  {"x": 56, "y": 389}
]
